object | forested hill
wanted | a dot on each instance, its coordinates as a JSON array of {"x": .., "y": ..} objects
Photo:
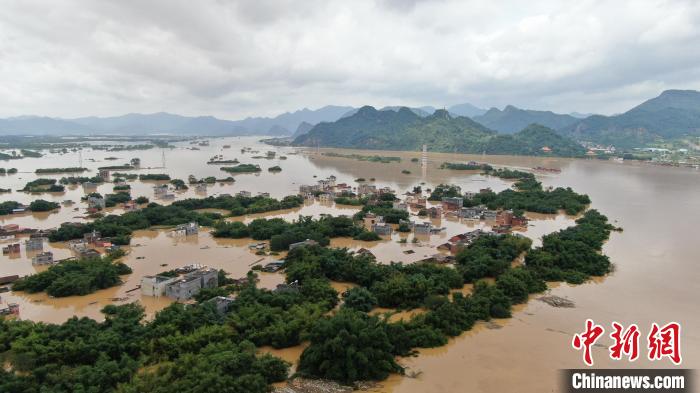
[
  {"x": 404, "y": 130},
  {"x": 672, "y": 115},
  {"x": 531, "y": 141}
]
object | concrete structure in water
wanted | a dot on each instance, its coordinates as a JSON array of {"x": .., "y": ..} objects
[
  {"x": 11, "y": 249},
  {"x": 44, "y": 258}
]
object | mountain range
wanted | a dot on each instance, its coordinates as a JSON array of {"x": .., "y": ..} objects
[
  {"x": 403, "y": 129},
  {"x": 136, "y": 123},
  {"x": 673, "y": 115}
]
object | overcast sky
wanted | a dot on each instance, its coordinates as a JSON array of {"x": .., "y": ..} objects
[{"x": 232, "y": 59}]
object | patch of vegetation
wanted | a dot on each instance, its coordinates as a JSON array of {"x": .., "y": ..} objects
[
  {"x": 80, "y": 180},
  {"x": 445, "y": 191},
  {"x": 60, "y": 170},
  {"x": 117, "y": 167},
  {"x": 470, "y": 166},
  {"x": 350, "y": 201},
  {"x": 385, "y": 209},
  {"x": 179, "y": 184},
  {"x": 43, "y": 185},
  {"x": 40, "y": 205},
  {"x": 240, "y": 205},
  {"x": 112, "y": 200},
  {"x": 120, "y": 227},
  {"x": 8, "y": 206},
  {"x": 31, "y": 153},
  {"x": 359, "y": 157},
  {"x": 71, "y": 278},
  {"x": 154, "y": 177},
  {"x": 282, "y": 233},
  {"x": 126, "y": 176},
  {"x": 242, "y": 168}
]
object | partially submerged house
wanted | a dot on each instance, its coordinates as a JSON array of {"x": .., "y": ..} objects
[
  {"x": 305, "y": 243},
  {"x": 44, "y": 258}
]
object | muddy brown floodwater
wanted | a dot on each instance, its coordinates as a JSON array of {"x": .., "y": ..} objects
[{"x": 656, "y": 277}]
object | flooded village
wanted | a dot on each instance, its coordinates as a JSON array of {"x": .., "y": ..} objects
[{"x": 175, "y": 263}]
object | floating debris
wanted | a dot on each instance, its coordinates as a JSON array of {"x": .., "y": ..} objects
[
  {"x": 556, "y": 301},
  {"x": 303, "y": 385}
]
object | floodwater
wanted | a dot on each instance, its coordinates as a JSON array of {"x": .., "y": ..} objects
[{"x": 656, "y": 278}]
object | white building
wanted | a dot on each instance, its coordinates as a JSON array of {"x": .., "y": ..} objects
[
  {"x": 155, "y": 285},
  {"x": 96, "y": 202}
]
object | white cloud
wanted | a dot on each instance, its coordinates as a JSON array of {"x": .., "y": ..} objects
[{"x": 238, "y": 58}]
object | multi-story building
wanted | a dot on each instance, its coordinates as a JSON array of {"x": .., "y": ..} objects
[
  {"x": 91, "y": 237},
  {"x": 422, "y": 228},
  {"x": 399, "y": 205},
  {"x": 186, "y": 287},
  {"x": 472, "y": 213},
  {"x": 370, "y": 219},
  {"x": 104, "y": 174},
  {"x": 452, "y": 203},
  {"x": 155, "y": 285},
  {"x": 160, "y": 190},
  {"x": 489, "y": 215},
  {"x": 382, "y": 229},
  {"x": 366, "y": 189},
  {"x": 325, "y": 197},
  {"x": 96, "y": 202},
  {"x": 34, "y": 243},
  {"x": 504, "y": 218},
  {"x": 186, "y": 229}
]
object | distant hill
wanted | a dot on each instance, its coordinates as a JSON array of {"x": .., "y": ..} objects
[
  {"x": 302, "y": 129},
  {"x": 673, "y": 114},
  {"x": 291, "y": 120},
  {"x": 39, "y": 125},
  {"x": 370, "y": 128},
  {"x": 422, "y": 111},
  {"x": 512, "y": 119},
  {"x": 136, "y": 123},
  {"x": 466, "y": 109}
]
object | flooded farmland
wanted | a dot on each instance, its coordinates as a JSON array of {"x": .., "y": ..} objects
[{"x": 656, "y": 277}]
